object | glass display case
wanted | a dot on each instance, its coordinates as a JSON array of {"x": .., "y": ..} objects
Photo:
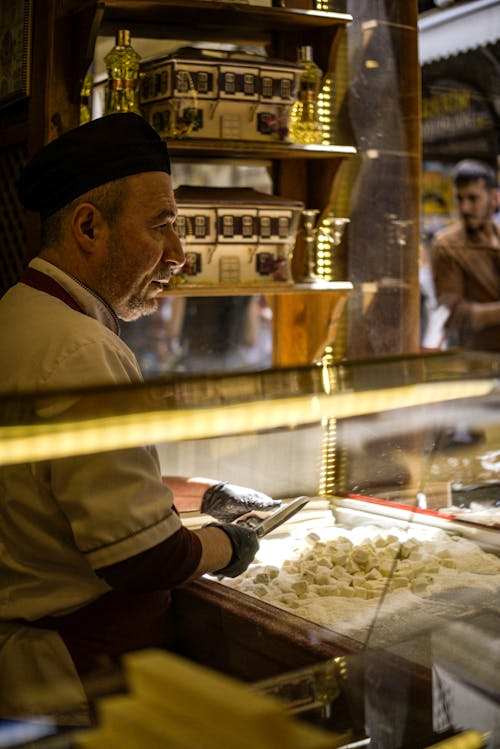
[{"x": 374, "y": 611}]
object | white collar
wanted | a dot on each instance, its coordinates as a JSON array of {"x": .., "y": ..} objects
[{"x": 91, "y": 303}]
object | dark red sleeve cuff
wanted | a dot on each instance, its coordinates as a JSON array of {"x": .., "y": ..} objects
[{"x": 160, "y": 568}]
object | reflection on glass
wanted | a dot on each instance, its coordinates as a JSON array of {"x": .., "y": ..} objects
[
  {"x": 309, "y": 218},
  {"x": 199, "y": 334},
  {"x": 329, "y": 237}
]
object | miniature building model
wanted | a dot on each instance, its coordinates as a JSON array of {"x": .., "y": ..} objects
[
  {"x": 235, "y": 235},
  {"x": 208, "y": 94}
]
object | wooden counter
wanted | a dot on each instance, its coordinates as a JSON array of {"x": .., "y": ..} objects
[{"x": 249, "y": 639}]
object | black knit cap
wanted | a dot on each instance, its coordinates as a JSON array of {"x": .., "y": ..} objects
[{"x": 103, "y": 150}]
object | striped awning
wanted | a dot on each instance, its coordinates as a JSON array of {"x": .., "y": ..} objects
[{"x": 460, "y": 28}]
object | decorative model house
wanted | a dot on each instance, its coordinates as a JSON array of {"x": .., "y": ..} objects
[
  {"x": 199, "y": 93},
  {"x": 235, "y": 235}
]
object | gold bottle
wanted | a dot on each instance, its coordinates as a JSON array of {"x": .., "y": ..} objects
[
  {"x": 305, "y": 126},
  {"x": 122, "y": 64},
  {"x": 85, "y": 95}
]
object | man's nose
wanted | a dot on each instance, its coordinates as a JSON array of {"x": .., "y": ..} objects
[{"x": 174, "y": 251}]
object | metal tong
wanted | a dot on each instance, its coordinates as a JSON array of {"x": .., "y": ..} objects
[{"x": 264, "y": 526}]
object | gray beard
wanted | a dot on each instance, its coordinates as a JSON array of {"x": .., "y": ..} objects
[{"x": 138, "y": 308}]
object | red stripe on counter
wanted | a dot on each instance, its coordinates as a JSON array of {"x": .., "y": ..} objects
[{"x": 407, "y": 508}]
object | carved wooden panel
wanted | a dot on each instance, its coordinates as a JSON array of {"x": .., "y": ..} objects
[{"x": 13, "y": 237}]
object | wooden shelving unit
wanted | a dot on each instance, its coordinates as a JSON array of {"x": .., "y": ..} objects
[
  {"x": 303, "y": 173},
  {"x": 379, "y": 182}
]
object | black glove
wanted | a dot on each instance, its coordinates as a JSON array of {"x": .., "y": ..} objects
[
  {"x": 227, "y": 502},
  {"x": 245, "y": 546}
]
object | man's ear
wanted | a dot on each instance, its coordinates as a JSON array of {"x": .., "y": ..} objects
[{"x": 87, "y": 224}]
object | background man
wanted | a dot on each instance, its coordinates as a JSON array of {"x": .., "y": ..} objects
[
  {"x": 90, "y": 546},
  {"x": 466, "y": 261}
]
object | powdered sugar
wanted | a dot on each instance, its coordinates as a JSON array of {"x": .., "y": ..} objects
[{"x": 404, "y": 582}]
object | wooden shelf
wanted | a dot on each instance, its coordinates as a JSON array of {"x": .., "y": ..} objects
[
  {"x": 214, "y": 16},
  {"x": 254, "y": 150},
  {"x": 217, "y": 290}
]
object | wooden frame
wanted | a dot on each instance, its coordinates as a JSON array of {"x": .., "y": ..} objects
[{"x": 15, "y": 50}]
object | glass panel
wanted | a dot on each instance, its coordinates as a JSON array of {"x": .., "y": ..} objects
[
  {"x": 197, "y": 334},
  {"x": 377, "y": 621}
]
